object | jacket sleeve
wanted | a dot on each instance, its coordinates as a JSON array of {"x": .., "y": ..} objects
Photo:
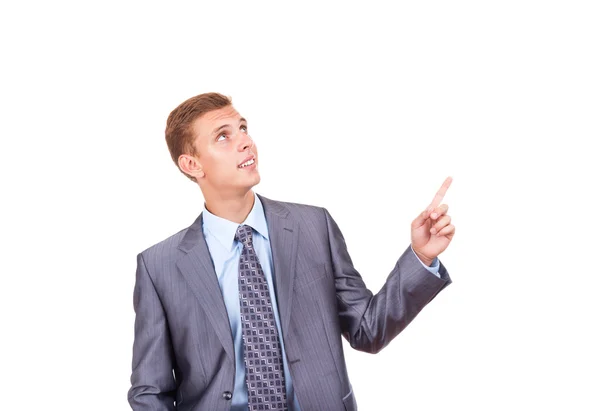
[
  {"x": 369, "y": 322},
  {"x": 152, "y": 381}
]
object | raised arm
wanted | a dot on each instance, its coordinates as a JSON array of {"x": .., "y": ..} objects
[{"x": 369, "y": 322}]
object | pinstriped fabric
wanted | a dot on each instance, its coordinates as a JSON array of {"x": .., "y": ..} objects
[{"x": 182, "y": 328}]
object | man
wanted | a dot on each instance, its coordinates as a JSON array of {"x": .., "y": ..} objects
[{"x": 245, "y": 308}]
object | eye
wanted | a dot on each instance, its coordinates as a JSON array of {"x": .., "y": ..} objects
[
  {"x": 244, "y": 129},
  {"x": 221, "y": 135}
]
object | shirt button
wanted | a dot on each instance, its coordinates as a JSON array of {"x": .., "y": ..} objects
[{"x": 227, "y": 395}]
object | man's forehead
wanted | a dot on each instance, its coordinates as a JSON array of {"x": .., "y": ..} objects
[
  {"x": 206, "y": 123},
  {"x": 225, "y": 113}
]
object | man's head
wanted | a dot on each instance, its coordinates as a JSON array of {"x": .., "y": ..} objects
[{"x": 208, "y": 141}]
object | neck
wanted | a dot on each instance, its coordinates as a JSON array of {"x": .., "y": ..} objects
[{"x": 232, "y": 208}]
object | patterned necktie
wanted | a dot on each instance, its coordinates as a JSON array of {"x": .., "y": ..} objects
[{"x": 262, "y": 349}]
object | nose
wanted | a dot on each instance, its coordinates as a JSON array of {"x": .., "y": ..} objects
[{"x": 246, "y": 142}]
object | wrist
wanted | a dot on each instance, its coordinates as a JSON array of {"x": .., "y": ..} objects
[{"x": 425, "y": 260}]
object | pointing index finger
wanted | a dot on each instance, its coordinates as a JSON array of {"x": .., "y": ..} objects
[{"x": 437, "y": 200}]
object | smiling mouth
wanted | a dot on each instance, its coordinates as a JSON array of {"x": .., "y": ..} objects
[{"x": 246, "y": 164}]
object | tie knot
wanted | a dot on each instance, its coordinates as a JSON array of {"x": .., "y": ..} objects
[{"x": 243, "y": 234}]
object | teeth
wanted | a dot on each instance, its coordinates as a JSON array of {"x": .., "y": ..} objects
[{"x": 247, "y": 163}]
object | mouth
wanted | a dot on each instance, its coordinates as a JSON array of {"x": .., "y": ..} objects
[{"x": 247, "y": 163}]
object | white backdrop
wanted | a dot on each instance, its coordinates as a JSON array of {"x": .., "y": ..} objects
[{"x": 362, "y": 110}]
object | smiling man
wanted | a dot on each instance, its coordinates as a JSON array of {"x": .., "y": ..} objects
[{"x": 245, "y": 308}]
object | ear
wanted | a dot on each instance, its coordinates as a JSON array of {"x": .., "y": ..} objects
[{"x": 191, "y": 166}]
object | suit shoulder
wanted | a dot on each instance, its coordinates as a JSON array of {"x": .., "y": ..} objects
[
  {"x": 313, "y": 218},
  {"x": 303, "y": 210}
]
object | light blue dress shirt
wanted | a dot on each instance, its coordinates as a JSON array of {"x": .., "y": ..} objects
[{"x": 225, "y": 252}]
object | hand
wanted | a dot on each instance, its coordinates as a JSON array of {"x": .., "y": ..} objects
[{"x": 431, "y": 231}]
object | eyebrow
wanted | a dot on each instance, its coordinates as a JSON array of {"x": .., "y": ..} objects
[{"x": 218, "y": 129}]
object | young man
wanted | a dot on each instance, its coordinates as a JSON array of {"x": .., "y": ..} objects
[{"x": 245, "y": 308}]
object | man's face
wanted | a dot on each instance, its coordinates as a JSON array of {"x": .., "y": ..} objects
[{"x": 222, "y": 144}]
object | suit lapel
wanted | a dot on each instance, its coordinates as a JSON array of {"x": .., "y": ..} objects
[
  {"x": 283, "y": 236},
  {"x": 197, "y": 268}
]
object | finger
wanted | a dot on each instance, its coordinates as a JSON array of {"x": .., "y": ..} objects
[
  {"x": 438, "y": 212},
  {"x": 443, "y": 222},
  {"x": 420, "y": 220},
  {"x": 439, "y": 196},
  {"x": 449, "y": 229}
]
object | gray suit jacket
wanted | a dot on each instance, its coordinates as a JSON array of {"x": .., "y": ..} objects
[{"x": 183, "y": 355}]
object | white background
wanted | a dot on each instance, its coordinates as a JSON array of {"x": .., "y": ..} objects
[{"x": 362, "y": 110}]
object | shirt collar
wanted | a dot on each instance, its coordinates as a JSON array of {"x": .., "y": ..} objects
[{"x": 224, "y": 230}]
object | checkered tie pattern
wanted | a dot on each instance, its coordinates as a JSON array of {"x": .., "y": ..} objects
[{"x": 262, "y": 347}]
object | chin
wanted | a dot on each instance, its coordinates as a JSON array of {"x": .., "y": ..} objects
[
  {"x": 247, "y": 185},
  {"x": 254, "y": 183},
  {"x": 253, "y": 179}
]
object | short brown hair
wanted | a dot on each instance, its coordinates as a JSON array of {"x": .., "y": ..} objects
[{"x": 178, "y": 133}]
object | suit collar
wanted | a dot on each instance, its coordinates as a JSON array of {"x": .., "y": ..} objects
[
  {"x": 224, "y": 230},
  {"x": 197, "y": 268},
  {"x": 273, "y": 207},
  {"x": 270, "y": 208}
]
